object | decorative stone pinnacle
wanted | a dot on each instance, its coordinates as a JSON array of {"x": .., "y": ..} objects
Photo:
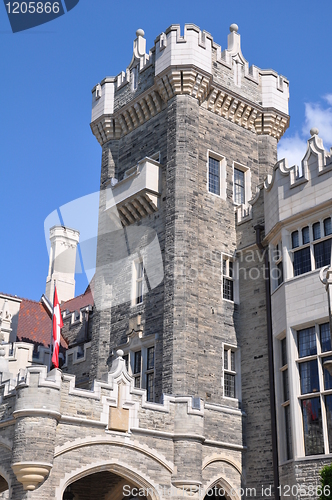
[
  {"x": 119, "y": 353},
  {"x": 314, "y": 131},
  {"x": 233, "y": 27},
  {"x": 140, "y": 32}
]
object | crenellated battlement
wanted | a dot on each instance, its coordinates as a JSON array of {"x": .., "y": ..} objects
[{"x": 190, "y": 64}]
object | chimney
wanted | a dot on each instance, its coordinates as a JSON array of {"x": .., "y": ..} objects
[{"x": 62, "y": 263}]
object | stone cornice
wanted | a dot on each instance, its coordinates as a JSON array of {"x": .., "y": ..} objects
[{"x": 189, "y": 80}]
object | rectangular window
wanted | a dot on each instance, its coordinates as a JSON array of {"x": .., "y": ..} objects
[
  {"x": 150, "y": 360},
  {"x": 312, "y": 426},
  {"x": 137, "y": 362},
  {"x": 327, "y": 376},
  {"x": 305, "y": 235},
  {"x": 302, "y": 261},
  {"x": 306, "y": 341},
  {"x": 322, "y": 253},
  {"x": 280, "y": 275},
  {"x": 229, "y": 387},
  {"x": 228, "y": 279},
  {"x": 316, "y": 230},
  {"x": 285, "y": 385},
  {"x": 214, "y": 176},
  {"x": 325, "y": 337},
  {"x": 239, "y": 188},
  {"x": 229, "y": 373},
  {"x": 149, "y": 386},
  {"x": 295, "y": 239},
  {"x": 327, "y": 226},
  {"x": 139, "y": 281},
  {"x": 309, "y": 377},
  {"x": 328, "y": 404},
  {"x": 289, "y": 448}
]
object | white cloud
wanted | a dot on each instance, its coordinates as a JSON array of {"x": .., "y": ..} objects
[
  {"x": 316, "y": 115},
  {"x": 292, "y": 148},
  {"x": 328, "y": 97}
]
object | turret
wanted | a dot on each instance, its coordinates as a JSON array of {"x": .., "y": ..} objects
[{"x": 62, "y": 263}]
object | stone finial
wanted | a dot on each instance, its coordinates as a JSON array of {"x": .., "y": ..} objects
[
  {"x": 119, "y": 353},
  {"x": 140, "y": 32},
  {"x": 314, "y": 131},
  {"x": 233, "y": 27}
]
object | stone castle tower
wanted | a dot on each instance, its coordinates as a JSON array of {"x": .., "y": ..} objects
[{"x": 179, "y": 398}]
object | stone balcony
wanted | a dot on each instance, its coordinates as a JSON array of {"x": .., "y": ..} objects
[{"x": 138, "y": 193}]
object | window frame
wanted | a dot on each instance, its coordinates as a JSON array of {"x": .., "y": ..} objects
[
  {"x": 235, "y": 373},
  {"x": 142, "y": 374},
  {"x": 311, "y": 244},
  {"x": 321, "y": 394},
  {"x": 247, "y": 182},
  {"x": 233, "y": 279},
  {"x": 222, "y": 173},
  {"x": 138, "y": 282}
]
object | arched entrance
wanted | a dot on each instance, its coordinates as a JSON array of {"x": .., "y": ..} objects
[
  {"x": 4, "y": 488},
  {"x": 105, "y": 485}
]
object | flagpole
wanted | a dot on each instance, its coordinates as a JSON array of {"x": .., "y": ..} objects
[{"x": 51, "y": 343}]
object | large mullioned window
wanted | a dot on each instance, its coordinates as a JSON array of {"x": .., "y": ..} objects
[
  {"x": 311, "y": 246},
  {"x": 314, "y": 348}
]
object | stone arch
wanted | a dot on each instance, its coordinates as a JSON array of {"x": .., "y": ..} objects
[
  {"x": 223, "y": 458},
  {"x": 5, "y": 483},
  {"x": 231, "y": 492},
  {"x": 138, "y": 465},
  {"x": 128, "y": 477}
]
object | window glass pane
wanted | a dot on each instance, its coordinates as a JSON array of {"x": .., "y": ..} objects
[
  {"x": 328, "y": 404},
  {"x": 285, "y": 384},
  {"x": 325, "y": 337},
  {"x": 150, "y": 363},
  {"x": 139, "y": 269},
  {"x": 137, "y": 381},
  {"x": 238, "y": 186},
  {"x": 233, "y": 361},
  {"x": 229, "y": 385},
  {"x": 309, "y": 377},
  {"x": 126, "y": 358},
  {"x": 280, "y": 273},
  {"x": 137, "y": 362},
  {"x": 302, "y": 261},
  {"x": 214, "y": 176},
  {"x": 312, "y": 426},
  {"x": 228, "y": 289},
  {"x": 306, "y": 341},
  {"x": 225, "y": 359},
  {"x": 327, "y": 226},
  {"x": 224, "y": 267},
  {"x": 295, "y": 239},
  {"x": 288, "y": 433},
  {"x": 322, "y": 253},
  {"x": 305, "y": 235},
  {"x": 149, "y": 386},
  {"x": 283, "y": 352},
  {"x": 327, "y": 376},
  {"x": 230, "y": 269},
  {"x": 316, "y": 230}
]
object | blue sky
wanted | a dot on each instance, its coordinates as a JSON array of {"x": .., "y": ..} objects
[{"x": 49, "y": 156}]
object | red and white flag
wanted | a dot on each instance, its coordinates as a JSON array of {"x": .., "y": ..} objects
[{"x": 57, "y": 325}]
